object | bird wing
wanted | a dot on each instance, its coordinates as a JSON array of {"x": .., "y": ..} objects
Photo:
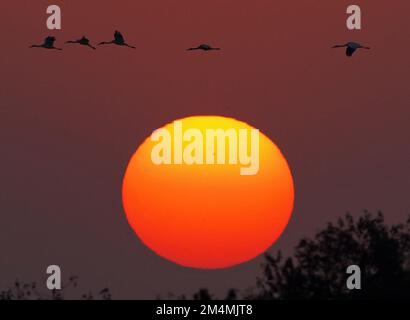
[
  {"x": 350, "y": 51},
  {"x": 119, "y": 37}
]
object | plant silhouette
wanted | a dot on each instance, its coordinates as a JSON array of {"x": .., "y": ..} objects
[
  {"x": 318, "y": 267},
  {"x": 316, "y": 270},
  {"x": 31, "y": 291}
]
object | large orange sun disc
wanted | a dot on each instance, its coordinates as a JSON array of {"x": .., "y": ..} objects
[{"x": 208, "y": 216}]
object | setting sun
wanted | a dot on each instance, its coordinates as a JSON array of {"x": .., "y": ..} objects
[{"x": 201, "y": 207}]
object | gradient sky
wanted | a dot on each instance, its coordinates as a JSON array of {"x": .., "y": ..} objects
[{"x": 70, "y": 121}]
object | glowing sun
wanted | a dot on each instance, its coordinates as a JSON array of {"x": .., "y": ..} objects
[{"x": 206, "y": 214}]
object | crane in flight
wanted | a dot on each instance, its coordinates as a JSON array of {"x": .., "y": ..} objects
[
  {"x": 47, "y": 44},
  {"x": 203, "y": 47},
  {"x": 118, "y": 40},
  {"x": 351, "y": 47},
  {"x": 83, "y": 41}
]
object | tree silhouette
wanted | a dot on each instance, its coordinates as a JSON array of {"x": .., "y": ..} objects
[
  {"x": 30, "y": 291},
  {"x": 203, "y": 294},
  {"x": 318, "y": 267},
  {"x": 316, "y": 270}
]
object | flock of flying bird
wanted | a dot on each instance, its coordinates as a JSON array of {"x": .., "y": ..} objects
[{"x": 119, "y": 40}]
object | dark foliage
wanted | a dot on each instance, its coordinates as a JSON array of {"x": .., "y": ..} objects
[
  {"x": 316, "y": 270},
  {"x": 31, "y": 291},
  {"x": 318, "y": 267}
]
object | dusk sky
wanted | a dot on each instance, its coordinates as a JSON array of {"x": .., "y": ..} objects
[{"x": 71, "y": 120}]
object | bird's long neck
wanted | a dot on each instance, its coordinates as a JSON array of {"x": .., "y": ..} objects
[
  {"x": 107, "y": 42},
  {"x": 36, "y": 46}
]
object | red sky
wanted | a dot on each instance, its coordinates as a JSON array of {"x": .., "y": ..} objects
[{"x": 71, "y": 120}]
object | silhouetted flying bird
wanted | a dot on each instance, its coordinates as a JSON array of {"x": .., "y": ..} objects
[
  {"x": 351, "y": 47},
  {"x": 47, "y": 44},
  {"x": 83, "y": 41},
  {"x": 203, "y": 47},
  {"x": 118, "y": 40}
]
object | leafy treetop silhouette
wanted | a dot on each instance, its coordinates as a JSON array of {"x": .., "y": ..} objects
[{"x": 318, "y": 268}]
